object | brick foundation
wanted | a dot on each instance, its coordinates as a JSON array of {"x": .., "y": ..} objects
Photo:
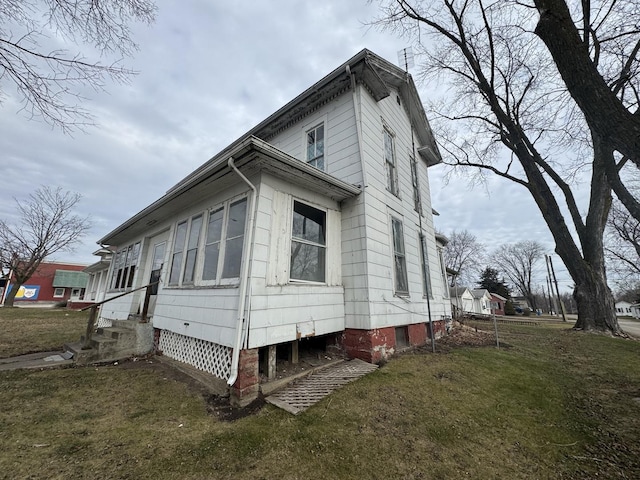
[
  {"x": 380, "y": 343},
  {"x": 246, "y": 388}
]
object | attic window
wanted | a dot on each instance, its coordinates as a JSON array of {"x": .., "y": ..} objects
[{"x": 398, "y": 99}]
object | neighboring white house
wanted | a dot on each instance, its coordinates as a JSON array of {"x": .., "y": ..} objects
[
  {"x": 635, "y": 310},
  {"x": 624, "y": 309},
  {"x": 481, "y": 301},
  {"x": 462, "y": 300},
  {"x": 316, "y": 223}
]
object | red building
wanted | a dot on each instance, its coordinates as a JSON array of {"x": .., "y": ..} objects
[
  {"x": 52, "y": 283},
  {"x": 497, "y": 304}
]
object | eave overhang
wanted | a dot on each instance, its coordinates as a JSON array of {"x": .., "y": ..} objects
[{"x": 251, "y": 156}]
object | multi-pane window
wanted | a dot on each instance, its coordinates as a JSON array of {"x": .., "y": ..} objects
[
  {"x": 215, "y": 256},
  {"x": 424, "y": 263},
  {"x": 443, "y": 271},
  {"x": 315, "y": 147},
  {"x": 178, "y": 250},
  {"x": 125, "y": 263},
  {"x": 308, "y": 243},
  {"x": 192, "y": 250},
  {"x": 234, "y": 239},
  {"x": 417, "y": 201},
  {"x": 390, "y": 162},
  {"x": 399, "y": 258}
]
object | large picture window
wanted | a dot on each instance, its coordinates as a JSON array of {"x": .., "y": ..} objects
[
  {"x": 124, "y": 269},
  {"x": 399, "y": 258},
  {"x": 214, "y": 257},
  {"x": 315, "y": 147},
  {"x": 390, "y": 162},
  {"x": 308, "y": 243}
]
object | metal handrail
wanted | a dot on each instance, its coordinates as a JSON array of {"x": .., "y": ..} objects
[{"x": 94, "y": 311}]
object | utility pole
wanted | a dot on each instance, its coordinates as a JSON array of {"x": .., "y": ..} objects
[
  {"x": 555, "y": 280},
  {"x": 550, "y": 290}
]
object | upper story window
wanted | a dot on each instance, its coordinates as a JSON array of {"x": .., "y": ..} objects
[
  {"x": 399, "y": 258},
  {"x": 424, "y": 263},
  {"x": 390, "y": 162},
  {"x": 417, "y": 201},
  {"x": 216, "y": 256},
  {"x": 124, "y": 267},
  {"x": 315, "y": 147},
  {"x": 308, "y": 243},
  {"x": 443, "y": 271}
]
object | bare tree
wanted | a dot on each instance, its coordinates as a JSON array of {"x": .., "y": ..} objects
[
  {"x": 464, "y": 255},
  {"x": 46, "y": 225},
  {"x": 507, "y": 99},
  {"x": 597, "y": 55},
  {"x": 49, "y": 81},
  {"x": 623, "y": 245},
  {"x": 517, "y": 261}
]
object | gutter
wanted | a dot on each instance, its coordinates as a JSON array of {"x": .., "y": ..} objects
[{"x": 245, "y": 287}]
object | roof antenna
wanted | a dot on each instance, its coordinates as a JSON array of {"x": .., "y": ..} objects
[{"x": 405, "y": 58}]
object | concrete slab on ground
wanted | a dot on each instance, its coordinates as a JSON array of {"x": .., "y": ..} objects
[
  {"x": 308, "y": 391},
  {"x": 36, "y": 360}
]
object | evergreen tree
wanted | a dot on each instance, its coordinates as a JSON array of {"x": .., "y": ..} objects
[{"x": 489, "y": 280}]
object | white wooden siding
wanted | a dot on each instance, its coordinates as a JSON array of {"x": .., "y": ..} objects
[{"x": 280, "y": 310}]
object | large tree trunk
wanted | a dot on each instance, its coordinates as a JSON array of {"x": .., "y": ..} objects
[
  {"x": 596, "y": 306},
  {"x": 8, "y": 300}
]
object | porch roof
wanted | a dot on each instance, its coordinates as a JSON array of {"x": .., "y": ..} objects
[
  {"x": 250, "y": 156},
  {"x": 70, "y": 279}
]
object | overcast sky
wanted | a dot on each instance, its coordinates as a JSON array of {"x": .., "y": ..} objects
[{"x": 209, "y": 71}]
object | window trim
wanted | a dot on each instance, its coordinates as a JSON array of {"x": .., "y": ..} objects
[
  {"x": 402, "y": 254},
  {"x": 415, "y": 180},
  {"x": 125, "y": 266},
  {"x": 443, "y": 270},
  {"x": 56, "y": 294},
  {"x": 311, "y": 161},
  {"x": 427, "y": 288},
  {"x": 390, "y": 165},
  {"x": 198, "y": 269},
  {"x": 293, "y": 239}
]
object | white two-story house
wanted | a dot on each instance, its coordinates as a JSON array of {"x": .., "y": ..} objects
[{"x": 315, "y": 223}]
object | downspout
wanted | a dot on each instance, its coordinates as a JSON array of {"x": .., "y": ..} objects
[
  {"x": 244, "y": 278},
  {"x": 356, "y": 109}
]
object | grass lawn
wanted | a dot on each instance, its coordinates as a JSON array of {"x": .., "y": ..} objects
[
  {"x": 29, "y": 330},
  {"x": 552, "y": 403}
]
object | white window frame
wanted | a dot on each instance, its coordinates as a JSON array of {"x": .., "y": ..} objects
[
  {"x": 427, "y": 290},
  {"x": 222, "y": 255},
  {"x": 314, "y": 160},
  {"x": 443, "y": 270},
  {"x": 200, "y": 248},
  {"x": 390, "y": 164},
  {"x": 56, "y": 294},
  {"x": 415, "y": 180},
  {"x": 125, "y": 266},
  {"x": 399, "y": 252},
  {"x": 309, "y": 242}
]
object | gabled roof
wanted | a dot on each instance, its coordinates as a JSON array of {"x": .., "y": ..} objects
[
  {"x": 480, "y": 292},
  {"x": 498, "y": 296},
  {"x": 252, "y": 153},
  {"x": 458, "y": 291},
  {"x": 370, "y": 70}
]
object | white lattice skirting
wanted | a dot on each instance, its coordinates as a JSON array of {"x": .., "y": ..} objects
[
  {"x": 207, "y": 356},
  {"x": 104, "y": 323}
]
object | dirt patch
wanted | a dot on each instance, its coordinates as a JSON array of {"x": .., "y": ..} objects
[
  {"x": 217, "y": 405},
  {"x": 461, "y": 336}
]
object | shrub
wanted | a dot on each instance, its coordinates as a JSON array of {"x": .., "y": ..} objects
[{"x": 508, "y": 308}]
